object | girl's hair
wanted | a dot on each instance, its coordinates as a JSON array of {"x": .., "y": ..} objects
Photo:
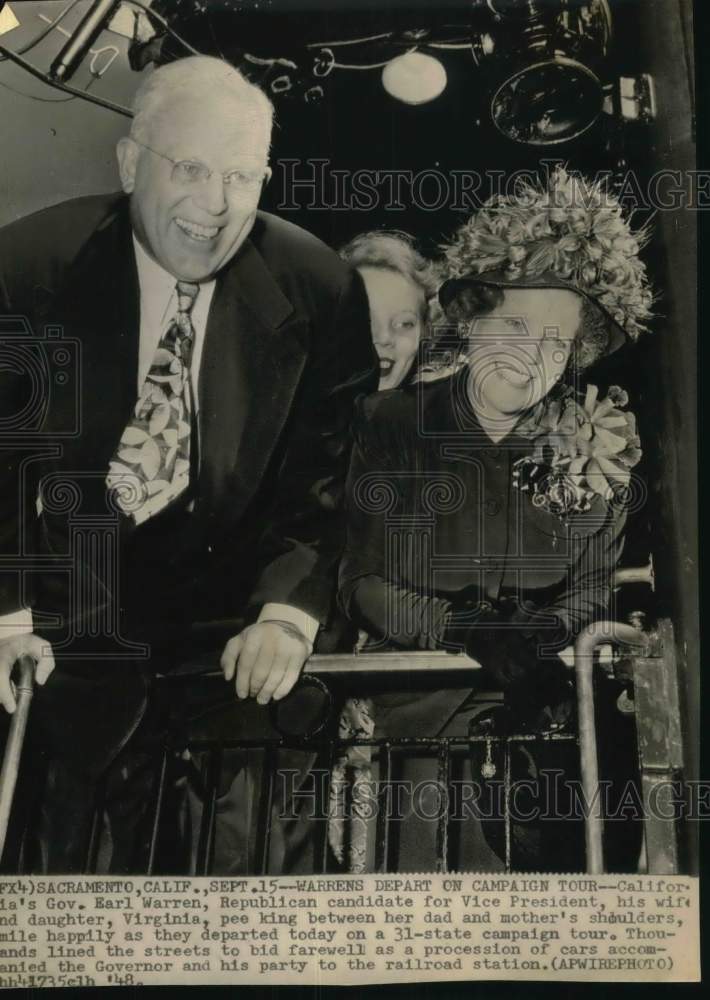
[{"x": 392, "y": 251}]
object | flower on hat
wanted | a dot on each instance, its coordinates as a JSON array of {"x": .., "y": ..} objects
[
  {"x": 573, "y": 227},
  {"x": 581, "y": 450}
]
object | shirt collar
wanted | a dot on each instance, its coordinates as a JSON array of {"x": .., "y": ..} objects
[{"x": 157, "y": 286}]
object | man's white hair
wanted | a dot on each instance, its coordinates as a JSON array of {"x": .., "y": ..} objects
[{"x": 202, "y": 77}]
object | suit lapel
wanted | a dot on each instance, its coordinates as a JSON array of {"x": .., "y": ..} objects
[
  {"x": 252, "y": 361},
  {"x": 99, "y": 306}
]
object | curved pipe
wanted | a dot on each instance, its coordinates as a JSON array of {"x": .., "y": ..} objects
[
  {"x": 24, "y": 689},
  {"x": 594, "y": 635},
  {"x": 636, "y": 574}
]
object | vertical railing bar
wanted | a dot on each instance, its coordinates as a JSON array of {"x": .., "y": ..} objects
[
  {"x": 589, "y": 766},
  {"x": 158, "y": 812},
  {"x": 92, "y": 851},
  {"x": 325, "y": 807},
  {"x": 209, "y": 812},
  {"x": 15, "y": 740},
  {"x": 266, "y": 807},
  {"x": 384, "y": 802},
  {"x": 442, "y": 824},
  {"x": 584, "y": 646},
  {"x": 506, "y": 803}
]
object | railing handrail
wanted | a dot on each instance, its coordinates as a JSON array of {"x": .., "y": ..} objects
[
  {"x": 587, "y": 641},
  {"x": 419, "y": 661},
  {"x": 24, "y": 689},
  {"x": 392, "y": 662},
  {"x": 404, "y": 661}
]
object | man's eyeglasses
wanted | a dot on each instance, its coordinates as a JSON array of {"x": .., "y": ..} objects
[{"x": 194, "y": 173}]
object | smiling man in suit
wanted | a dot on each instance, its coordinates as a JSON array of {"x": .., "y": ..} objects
[{"x": 221, "y": 351}]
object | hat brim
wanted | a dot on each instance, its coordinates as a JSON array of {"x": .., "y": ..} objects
[{"x": 495, "y": 279}]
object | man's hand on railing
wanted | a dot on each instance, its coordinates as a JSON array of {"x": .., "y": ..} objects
[
  {"x": 267, "y": 659},
  {"x": 11, "y": 650}
]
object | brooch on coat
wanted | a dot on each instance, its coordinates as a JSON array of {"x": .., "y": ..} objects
[{"x": 580, "y": 451}]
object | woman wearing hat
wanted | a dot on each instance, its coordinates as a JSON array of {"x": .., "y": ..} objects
[{"x": 487, "y": 504}]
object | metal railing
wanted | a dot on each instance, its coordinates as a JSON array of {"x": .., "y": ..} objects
[
  {"x": 24, "y": 689},
  {"x": 652, "y": 652},
  {"x": 443, "y": 748}
]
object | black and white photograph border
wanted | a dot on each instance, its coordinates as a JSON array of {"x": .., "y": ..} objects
[{"x": 348, "y": 361}]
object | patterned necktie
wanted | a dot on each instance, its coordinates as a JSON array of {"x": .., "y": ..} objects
[{"x": 151, "y": 466}]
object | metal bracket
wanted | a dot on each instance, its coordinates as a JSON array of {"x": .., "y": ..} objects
[
  {"x": 637, "y": 96},
  {"x": 660, "y": 746}
]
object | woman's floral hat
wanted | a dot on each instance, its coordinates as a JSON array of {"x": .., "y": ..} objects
[{"x": 570, "y": 234}]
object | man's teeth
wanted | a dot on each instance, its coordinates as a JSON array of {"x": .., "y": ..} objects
[
  {"x": 196, "y": 231},
  {"x": 386, "y": 365}
]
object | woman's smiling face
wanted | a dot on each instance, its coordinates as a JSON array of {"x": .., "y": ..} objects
[
  {"x": 397, "y": 310},
  {"x": 519, "y": 350}
]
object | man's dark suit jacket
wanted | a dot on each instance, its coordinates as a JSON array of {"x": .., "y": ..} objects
[{"x": 287, "y": 351}]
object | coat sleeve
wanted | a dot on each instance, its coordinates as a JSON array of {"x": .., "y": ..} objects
[
  {"x": 21, "y": 399},
  {"x": 17, "y": 517},
  {"x": 35, "y": 252},
  {"x": 587, "y": 593},
  {"x": 300, "y": 550},
  {"x": 370, "y": 588}
]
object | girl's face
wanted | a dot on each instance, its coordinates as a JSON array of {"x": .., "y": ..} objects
[
  {"x": 519, "y": 350},
  {"x": 397, "y": 310}
]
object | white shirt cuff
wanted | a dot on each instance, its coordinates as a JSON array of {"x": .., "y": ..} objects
[
  {"x": 17, "y": 623},
  {"x": 287, "y": 613}
]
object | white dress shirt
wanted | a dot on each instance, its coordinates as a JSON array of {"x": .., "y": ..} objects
[
  {"x": 158, "y": 307},
  {"x": 158, "y": 298}
]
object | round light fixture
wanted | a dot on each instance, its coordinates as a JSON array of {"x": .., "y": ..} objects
[
  {"x": 547, "y": 103},
  {"x": 543, "y": 65},
  {"x": 414, "y": 78}
]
